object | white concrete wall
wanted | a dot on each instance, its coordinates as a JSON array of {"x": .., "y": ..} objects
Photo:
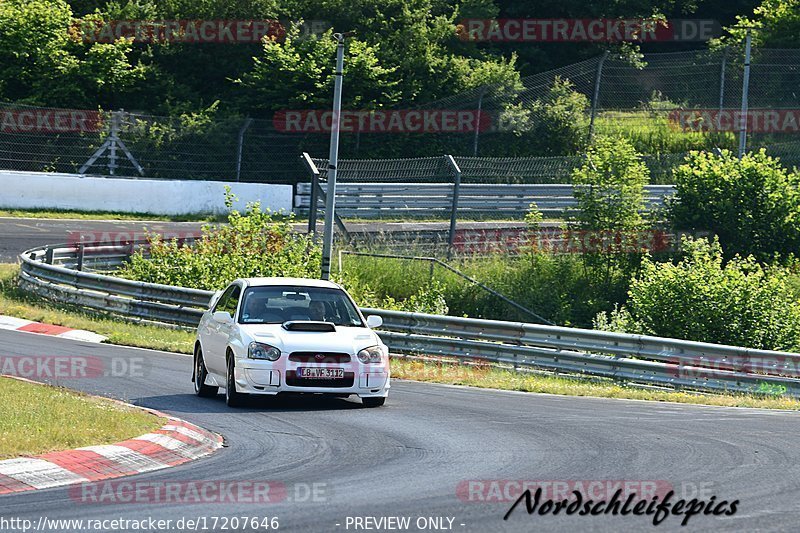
[{"x": 40, "y": 190}]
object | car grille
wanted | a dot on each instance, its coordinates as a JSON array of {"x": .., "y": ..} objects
[
  {"x": 327, "y": 357},
  {"x": 293, "y": 381}
]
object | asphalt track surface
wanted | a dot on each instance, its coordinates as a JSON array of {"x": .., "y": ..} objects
[
  {"x": 20, "y": 234},
  {"x": 409, "y": 457}
]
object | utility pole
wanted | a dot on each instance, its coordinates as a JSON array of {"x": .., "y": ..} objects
[{"x": 333, "y": 158}]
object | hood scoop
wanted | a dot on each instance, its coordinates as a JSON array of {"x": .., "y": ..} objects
[{"x": 308, "y": 325}]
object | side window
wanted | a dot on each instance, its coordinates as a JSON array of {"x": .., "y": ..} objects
[
  {"x": 232, "y": 301},
  {"x": 223, "y": 300}
]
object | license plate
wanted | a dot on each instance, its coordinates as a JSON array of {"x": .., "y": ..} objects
[{"x": 320, "y": 373}]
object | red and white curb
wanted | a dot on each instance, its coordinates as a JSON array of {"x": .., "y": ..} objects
[
  {"x": 177, "y": 442},
  {"x": 19, "y": 324}
]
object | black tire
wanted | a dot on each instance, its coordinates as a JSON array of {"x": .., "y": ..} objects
[
  {"x": 232, "y": 397},
  {"x": 200, "y": 373},
  {"x": 373, "y": 402}
]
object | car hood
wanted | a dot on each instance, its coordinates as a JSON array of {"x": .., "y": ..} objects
[{"x": 345, "y": 339}]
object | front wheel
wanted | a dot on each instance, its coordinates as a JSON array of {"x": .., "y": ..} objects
[
  {"x": 232, "y": 397},
  {"x": 373, "y": 402},
  {"x": 200, "y": 374}
]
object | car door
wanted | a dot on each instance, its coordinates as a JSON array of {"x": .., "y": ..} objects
[{"x": 219, "y": 332}]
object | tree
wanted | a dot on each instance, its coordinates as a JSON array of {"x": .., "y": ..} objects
[
  {"x": 752, "y": 204},
  {"x": 298, "y": 73},
  {"x": 42, "y": 62},
  {"x": 703, "y": 298},
  {"x": 776, "y": 23},
  {"x": 609, "y": 187}
]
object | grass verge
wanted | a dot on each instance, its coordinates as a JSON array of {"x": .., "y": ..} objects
[
  {"x": 17, "y": 303},
  {"x": 495, "y": 378},
  {"x": 37, "y": 419}
]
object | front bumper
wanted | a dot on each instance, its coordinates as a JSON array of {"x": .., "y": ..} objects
[{"x": 270, "y": 378}]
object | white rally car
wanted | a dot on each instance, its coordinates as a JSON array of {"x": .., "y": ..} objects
[{"x": 273, "y": 335}]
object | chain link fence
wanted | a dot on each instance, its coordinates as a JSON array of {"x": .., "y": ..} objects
[{"x": 667, "y": 104}]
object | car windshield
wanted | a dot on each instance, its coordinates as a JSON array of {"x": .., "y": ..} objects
[{"x": 279, "y": 304}]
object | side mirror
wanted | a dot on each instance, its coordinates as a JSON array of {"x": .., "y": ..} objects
[
  {"x": 374, "y": 321},
  {"x": 223, "y": 317}
]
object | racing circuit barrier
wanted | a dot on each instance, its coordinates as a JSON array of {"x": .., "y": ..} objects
[
  {"x": 373, "y": 200},
  {"x": 627, "y": 358}
]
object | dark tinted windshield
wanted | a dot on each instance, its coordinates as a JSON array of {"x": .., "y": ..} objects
[{"x": 278, "y": 304}]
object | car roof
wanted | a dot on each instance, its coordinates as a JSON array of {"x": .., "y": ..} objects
[{"x": 302, "y": 282}]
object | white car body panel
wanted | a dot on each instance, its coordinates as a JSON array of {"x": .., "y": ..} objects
[{"x": 256, "y": 376}]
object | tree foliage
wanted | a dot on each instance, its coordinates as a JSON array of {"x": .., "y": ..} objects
[
  {"x": 704, "y": 298},
  {"x": 252, "y": 244},
  {"x": 610, "y": 186},
  {"x": 298, "y": 74},
  {"x": 43, "y": 62},
  {"x": 752, "y": 204},
  {"x": 775, "y": 24}
]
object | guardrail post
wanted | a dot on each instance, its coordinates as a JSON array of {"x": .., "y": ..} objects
[
  {"x": 48, "y": 255},
  {"x": 80, "y": 254},
  {"x": 451, "y": 237}
]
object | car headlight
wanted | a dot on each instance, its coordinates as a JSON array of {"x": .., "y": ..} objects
[
  {"x": 257, "y": 350},
  {"x": 373, "y": 354}
]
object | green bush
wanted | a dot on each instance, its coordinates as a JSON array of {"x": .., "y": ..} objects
[
  {"x": 612, "y": 193},
  {"x": 429, "y": 298},
  {"x": 560, "y": 120},
  {"x": 255, "y": 244},
  {"x": 610, "y": 196},
  {"x": 557, "y": 287},
  {"x": 702, "y": 298},
  {"x": 752, "y": 204},
  {"x": 555, "y": 124},
  {"x": 252, "y": 244}
]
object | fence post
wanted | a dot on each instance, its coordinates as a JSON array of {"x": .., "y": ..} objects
[
  {"x": 722, "y": 82},
  {"x": 596, "y": 96},
  {"x": 312, "y": 208},
  {"x": 745, "y": 95},
  {"x": 451, "y": 237},
  {"x": 478, "y": 122},
  {"x": 242, "y": 130},
  {"x": 112, "y": 151}
]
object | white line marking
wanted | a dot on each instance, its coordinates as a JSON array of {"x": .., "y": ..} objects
[
  {"x": 12, "y": 322},
  {"x": 38, "y": 472},
  {"x": 130, "y": 459},
  {"x": 188, "y": 451},
  {"x": 192, "y": 434}
]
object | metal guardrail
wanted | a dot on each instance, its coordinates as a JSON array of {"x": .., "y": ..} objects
[
  {"x": 372, "y": 200},
  {"x": 41, "y": 273},
  {"x": 622, "y": 357}
]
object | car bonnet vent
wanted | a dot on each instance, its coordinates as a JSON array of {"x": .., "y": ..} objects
[{"x": 308, "y": 325}]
